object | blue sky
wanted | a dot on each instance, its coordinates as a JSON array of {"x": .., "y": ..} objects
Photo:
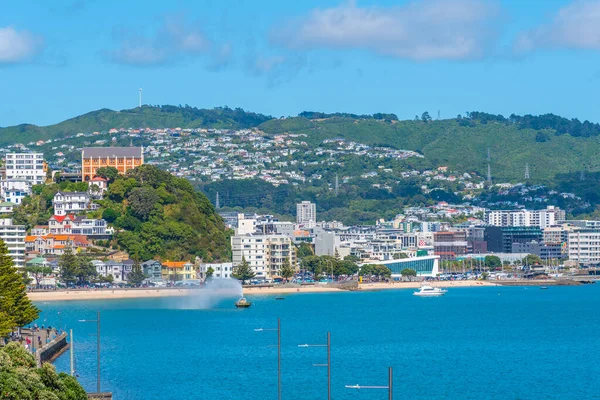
[{"x": 63, "y": 58}]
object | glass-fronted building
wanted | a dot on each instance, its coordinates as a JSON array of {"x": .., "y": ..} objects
[{"x": 424, "y": 266}]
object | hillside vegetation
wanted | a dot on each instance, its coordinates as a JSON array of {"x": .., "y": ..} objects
[
  {"x": 144, "y": 117},
  {"x": 462, "y": 143}
]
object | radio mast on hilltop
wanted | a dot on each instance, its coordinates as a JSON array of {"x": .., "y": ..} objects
[
  {"x": 140, "y": 97},
  {"x": 337, "y": 184},
  {"x": 526, "y": 171},
  {"x": 489, "y": 172}
]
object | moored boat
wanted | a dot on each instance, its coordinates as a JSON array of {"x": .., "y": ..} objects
[{"x": 242, "y": 303}]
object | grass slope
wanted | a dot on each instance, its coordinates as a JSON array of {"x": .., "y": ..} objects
[{"x": 145, "y": 117}]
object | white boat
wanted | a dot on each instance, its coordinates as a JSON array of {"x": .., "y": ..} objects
[{"x": 428, "y": 291}]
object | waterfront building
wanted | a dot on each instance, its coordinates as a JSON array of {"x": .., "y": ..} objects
[
  {"x": 500, "y": 239},
  {"x": 28, "y": 167},
  {"x": 426, "y": 266},
  {"x": 178, "y": 270},
  {"x": 544, "y": 251},
  {"x": 449, "y": 245},
  {"x": 584, "y": 246},
  {"x": 265, "y": 254},
  {"x": 306, "y": 213},
  {"x": 220, "y": 270},
  {"x": 153, "y": 270},
  {"x": 540, "y": 218},
  {"x": 14, "y": 238},
  {"x": 70, "y": 202},
  {"x": 121, "y": 158}
]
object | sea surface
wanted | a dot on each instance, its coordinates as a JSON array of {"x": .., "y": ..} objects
[{"x": 473, "y": 343}]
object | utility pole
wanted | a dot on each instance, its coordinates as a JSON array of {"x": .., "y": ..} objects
[
  {"x": 97, "y": 321},
  {"x": 328, "y": 365},
  {"x": 278, "y": 353},
  {"x": 71, "y": 350}
]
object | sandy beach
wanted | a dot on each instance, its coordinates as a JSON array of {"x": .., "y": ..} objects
[{"x": 108, "y": 294}]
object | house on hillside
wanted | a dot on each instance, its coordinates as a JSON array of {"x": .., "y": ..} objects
[{"x": 70, "y": 202}]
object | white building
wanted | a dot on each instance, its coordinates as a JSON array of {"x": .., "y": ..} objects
[
  {"x": 14, "y": 237},
  {"x": 220, "y": 270},
  {"x": 14, "y": 191},
  {"x": 265, "y": 254},
  {"x": 584, "y": 246},
  {"x": 542, "y": 218},
  {"x": 306, "y": 213},
  {"x": 29, "y": 167},
  {"x": 70, "y": 202}
]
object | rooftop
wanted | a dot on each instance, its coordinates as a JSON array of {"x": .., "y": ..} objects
[{"x": 101, "y": 152}]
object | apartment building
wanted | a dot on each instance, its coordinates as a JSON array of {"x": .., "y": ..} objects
[
  {"x": 541, "y": 218},
  {"x": 584, "y": 246},
  {"x": 14, "y": 238},
  {"x": 79, "y": 225},
  {"x": 121, "y": 158},
  {"x": 14, "y": 191},
  {"x": 29, "y": 167},
  {"x": 306, "y": 213},
  {"x": 265, "y": 254},
  {"x": 70, "y": 202},
  {"x": 500, "y": 239}
]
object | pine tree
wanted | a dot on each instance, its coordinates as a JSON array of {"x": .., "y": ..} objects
[
  {"x": 68, "y": 266},
  {"x": 13, "y": 294},
  {"x": 286, "y": 270},
  {"x": 243, "y": 271},
  {"x": 136, "y": 276}
]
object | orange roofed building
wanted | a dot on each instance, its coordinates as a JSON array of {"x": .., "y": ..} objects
[
  {"x": 54, "y": 244},
  {"x": 121, "y": 158},
  {"x": 178, "y": 270}
]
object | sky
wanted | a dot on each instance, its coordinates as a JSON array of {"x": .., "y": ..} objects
[{"x": 63, "y": 58}]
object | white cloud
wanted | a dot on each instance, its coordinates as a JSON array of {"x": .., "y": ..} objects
[
  {"x": 575, "y": 26},
  {"x": 173, "y": 41},
  {"x": 17, "y": 46},
  {"x": 420, "y": 30}
]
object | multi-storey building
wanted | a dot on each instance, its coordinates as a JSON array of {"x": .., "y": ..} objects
[
  {"x": 14, "y": 238},
  {"x": 449, "y": 245},
  {"x": 220, "y": 270},
  {"x": 14, "y": 191},
  {"x": 29, "y": 167},
  {"x": 306, "y": 213},
  {"x": 584, "y": 246},
  {"x": 121, "y": 158},
  {"x": 54, "y": 244},
  {"x": 541, "y": 218},
  {"x": 70, "y": 202},
  {"x": 265, "y": 254},
  {"x": 500, "y": 239},
  {"x": 78, "y": 225}
]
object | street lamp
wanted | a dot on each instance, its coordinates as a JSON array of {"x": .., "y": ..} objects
[
  {"x": 328, "y": 365},
  {"x": 97, "y": 321},
  {"x": 278, "y": 329},
  {"x": 389, "y": 387}
]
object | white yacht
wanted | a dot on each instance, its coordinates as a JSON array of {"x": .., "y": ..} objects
[{"x": 428, "y": 291}]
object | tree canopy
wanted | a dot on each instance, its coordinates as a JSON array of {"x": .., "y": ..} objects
[{"x": 243, "y": 271}]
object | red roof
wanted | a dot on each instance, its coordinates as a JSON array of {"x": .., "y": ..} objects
[
  {"x": 99, "y": 178},
  {"x": 60, "y": 218}
]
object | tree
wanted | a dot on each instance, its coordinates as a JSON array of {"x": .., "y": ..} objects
[
  {"x": 68, "y": 266},
  {"x": 136, "y": 276},
  {"x": 38, "y": 272},
  {"x": 381, "y": 271},
  {"x": 408, "y": 273},
  {"x": 84, "y": 270},
  {"x": 352, "y": 258},
  {"x": 492, "y": 262},
  {"x": 286, "y": 270},
  {"x": 142, "y": 201},
  {"x": 400, "y": 256},
  {"x": 13, "y": 295},
  {"x": 305, "y": 250},
  {"x": 110, "y": 173},
  {"x": 243, "y": 271},
  {"x": 425, "y": 117},
  {"x": 210, "y": 272},
  {"x": 532, "y": 259},
  {"x": 366, "y": 270}
]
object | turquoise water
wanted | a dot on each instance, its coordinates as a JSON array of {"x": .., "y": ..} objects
[{"x": 474, "y": 343}]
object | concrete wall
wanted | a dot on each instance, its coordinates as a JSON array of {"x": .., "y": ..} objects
[{"x": 51, "y": 350}]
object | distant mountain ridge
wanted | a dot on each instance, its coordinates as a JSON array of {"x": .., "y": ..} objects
[{"x": 548, "y": 144}]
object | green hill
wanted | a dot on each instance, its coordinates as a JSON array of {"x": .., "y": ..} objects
[
  {"x": 461, "y": 145},
  {"x": 144, "y": 117}
]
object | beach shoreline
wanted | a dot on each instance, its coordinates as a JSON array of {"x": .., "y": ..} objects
[{"x": 110, "y": 294}]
